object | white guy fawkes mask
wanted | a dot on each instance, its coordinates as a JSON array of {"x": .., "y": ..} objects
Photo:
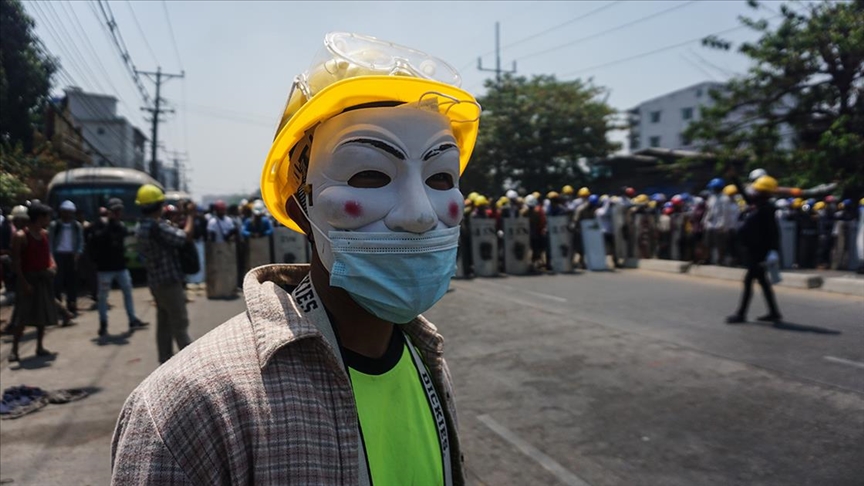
[{"x": 390, "y": 169}]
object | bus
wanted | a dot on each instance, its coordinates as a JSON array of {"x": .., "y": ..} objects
[
  {"x": 177, "y": 197},
  {"x": 91, "y": 187}
]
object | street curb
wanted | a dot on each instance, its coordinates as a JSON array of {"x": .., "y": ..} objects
[
  {"x": 844, "y": 285},
  {"x": 801, "y": 280},
  {"x": 713, "y": 271},
  {"x": 669, "y": 266}
]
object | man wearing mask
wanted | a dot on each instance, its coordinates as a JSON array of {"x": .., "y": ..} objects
[
  {"x": 107, "y": 249},
  {"x": 67, "y": 245},
  {"x": 322, "y": 379},
  {"x": 221, "y": 227}
]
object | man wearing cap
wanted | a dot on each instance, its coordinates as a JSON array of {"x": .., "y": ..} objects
[
  {"x": 108, "y": 250},
  {"x": 67, "y": 245},
  {"x": 221, "y": 227},
  {"x": 332, "y": 376}
]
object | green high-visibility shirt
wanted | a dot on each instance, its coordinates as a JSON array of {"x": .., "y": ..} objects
[{"x": 402, "y": 446}]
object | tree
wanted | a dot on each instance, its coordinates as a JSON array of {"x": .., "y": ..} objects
[
  {"x": 25, "y": 80},
  {"x": 25, "y": 76},
  {"x": 805, "y": 82},
  {"x": 537, "y": 134}
]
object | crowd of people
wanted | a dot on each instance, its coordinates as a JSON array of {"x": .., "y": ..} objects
[
  {"x": 700, "y": 228},
  {"x": 50, "y": 260}
]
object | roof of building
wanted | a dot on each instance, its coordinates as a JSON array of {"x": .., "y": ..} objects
[{"x": 712, "y": 84}]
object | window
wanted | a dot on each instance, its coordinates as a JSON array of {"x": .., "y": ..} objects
[
  {"x": 634, "y": 142},
  {"x": 655, "y": 117},
  {"x": 654, "y": 141},
  {"x": 687, "y": 113},
  {"x": 100, "y": 131},
  {"x": 685, "y": 141},
  {"x": 699, "y": 92}
]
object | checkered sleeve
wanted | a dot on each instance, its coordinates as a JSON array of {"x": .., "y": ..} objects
[
  {"x": 171, "y": 235},
  {"x": 138, "y": 454}
]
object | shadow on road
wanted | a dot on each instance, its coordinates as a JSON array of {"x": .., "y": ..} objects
[
  {"x": 33, "y": 362},
  {"x": 788, "y": 326},
  {"x": 115, "y": 339}
]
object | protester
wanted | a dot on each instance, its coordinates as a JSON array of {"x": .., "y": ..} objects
[
  {"x": 259, "y": 224},
  {"x": 35, "y": 270},
  {"x": 158, "y": 243},
  {"x": 759, "y": 238},
  {"x": 107, "y": 249},
  {"x": 67, "y": 245},
  {"x": 221, "y": 227},
  {"x": 332, "y": 376}
]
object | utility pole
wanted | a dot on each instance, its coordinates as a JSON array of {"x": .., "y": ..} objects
[
  {"x": 179, "y": 158},
  {"x": 497, "y": 69},
  {"x": 158, "y": 78}
]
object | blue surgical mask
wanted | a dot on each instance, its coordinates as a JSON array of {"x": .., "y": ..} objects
[{"x": 395, "y": 276}]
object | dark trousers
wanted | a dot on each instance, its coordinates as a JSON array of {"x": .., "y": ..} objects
[
  {"x": 756, "y": 272},
  {"x": 66, "y": 281}
]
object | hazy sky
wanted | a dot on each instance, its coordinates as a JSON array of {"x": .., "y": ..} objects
[{"x": 240, "y": 57}]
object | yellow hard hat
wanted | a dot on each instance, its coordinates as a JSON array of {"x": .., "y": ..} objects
[
  {"x": 797, "y": 203},
  {"x": 354, "y": 70},
  {"x": 820, "y": 205},
  {"x": 552, "y": 195},
  {"x": 765, "y": 184},
  {"x": 472, "y": 196},
  {"x": 730, "y": 190},
  {"x": 641, "y": 199},
  {"x": 149, "y": 194},
  {"x": 568, "y": 189},
  {"x": 502, "y": 201},
  {"x": 536, "y": 194},
  {"x": 584, "y": 192},
  {"x": 481, "y": 201}
]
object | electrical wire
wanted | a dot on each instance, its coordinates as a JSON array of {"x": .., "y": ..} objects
[
  {"x": 141, "y": 31},
  {"x": 654, "y": 51},
  {"x": 608, "y": 31},
  {"x": 171, "y": 32},
  {"x": 117, "y": 38},
  {"x": 564, "y": 24}
]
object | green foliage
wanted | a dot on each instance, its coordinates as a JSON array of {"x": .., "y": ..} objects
[
  {"x": 534, "y": 133},
  {"x": 25, "y": 76},
  {"x": 26, "y": 174},
  {"x": 806, "y": 79}
]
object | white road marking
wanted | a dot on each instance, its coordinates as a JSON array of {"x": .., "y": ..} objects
[
  {"x": 845, "y": 361},
  {"x": 523, "y": 291},
  {"x": 549, "y": 464}
]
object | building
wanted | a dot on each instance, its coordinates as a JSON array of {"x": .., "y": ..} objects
[
  {"x": 660, "y": 122},
  {"x": 62, "y": 130},
  {"x": 117, "y": 142}
]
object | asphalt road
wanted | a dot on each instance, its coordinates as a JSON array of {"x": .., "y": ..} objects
[
  {"x": 627, "y": 378},
  {"x": 632, "y": 378}
]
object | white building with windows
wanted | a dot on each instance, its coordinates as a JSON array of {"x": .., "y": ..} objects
[
  {"x": 114, "y": 137},
  {"x": 660, "y": 122}
]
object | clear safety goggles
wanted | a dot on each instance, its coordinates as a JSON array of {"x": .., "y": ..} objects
[{"x": 346, "y": 55}]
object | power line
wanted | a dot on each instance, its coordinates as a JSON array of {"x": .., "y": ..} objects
[
  {"x": 608, "y": 31},
  {"x": 654, "y": 51},
  {"x": 171, "y": 31},
  {"x": 141, "y": 31},
  {"x": 697, "y": 66},
  {"x": 564, "y": 24},
  {"x": 117, "y": 38},
  {"x": 157, "y": 79}
]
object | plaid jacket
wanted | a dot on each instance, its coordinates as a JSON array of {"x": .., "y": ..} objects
[
  {"x": 259, "y": 400},
  {"x": 161, "y": 258}
]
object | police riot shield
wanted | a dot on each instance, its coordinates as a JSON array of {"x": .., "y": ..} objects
[
  {"x": 619, "y": 222},
  {"x": 221, "y": 271},
  {"x": 289, "y": 246},
  {"x": 788, "y": 247},
  {"x": 259, "y": 252},
  {"x": 198, "y": 278},
  {"x": 677, "y": 234},
  {"x": 560, "y": 244},
  {"x": 517, "y": 246},
  {"x": 852, "y": 242},
  {"x": 484, "y": 247},
  {"x": 592, "y": 241}
]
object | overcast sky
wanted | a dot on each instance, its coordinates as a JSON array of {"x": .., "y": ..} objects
[{"x": 240, "y": 57}]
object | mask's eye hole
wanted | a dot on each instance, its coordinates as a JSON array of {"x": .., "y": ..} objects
[
  {"x": 441, "y": 181},
  {"x": 369, "y": 179}
]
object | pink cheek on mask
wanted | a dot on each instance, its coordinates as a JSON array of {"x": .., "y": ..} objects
[
  {"x": 353, "y": 209},
  {"x": 453, "y": 210}
]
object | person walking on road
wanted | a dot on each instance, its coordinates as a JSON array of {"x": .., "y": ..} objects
[
  {"x": 158, "y": 243},
  {"x": 108, "y": 251},
  {"x": 67, "y": 245},
  {"x": 35, "y": 270},
  {"x": 332, "y": 376},
  {"x": 759, "y": 237}
]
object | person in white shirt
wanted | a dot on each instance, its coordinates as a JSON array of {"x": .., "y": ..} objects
[
  {"x": 67, "y": 244},
  {"x": 221, "y": 228},
  {"x": 715, "y": 222}
]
